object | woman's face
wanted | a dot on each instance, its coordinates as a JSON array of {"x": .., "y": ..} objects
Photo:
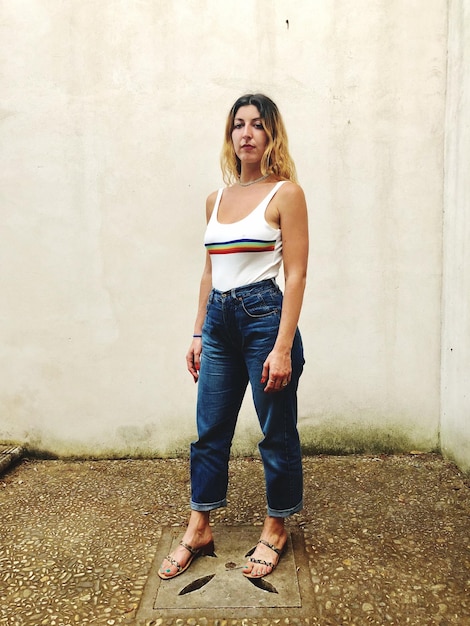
[{"x": 248, "y": 135}]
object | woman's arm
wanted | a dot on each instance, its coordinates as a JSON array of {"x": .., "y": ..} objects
[
  {"x": 193, "y": 356},
  {"x": 293, "y": 221}
]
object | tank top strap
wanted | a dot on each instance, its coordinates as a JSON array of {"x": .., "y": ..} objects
[
  {"x": 264, "y": 203},
  {"x": 215, "y": 210}
]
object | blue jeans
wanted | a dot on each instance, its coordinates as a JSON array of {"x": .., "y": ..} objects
[{"x": 239, "y": 332}]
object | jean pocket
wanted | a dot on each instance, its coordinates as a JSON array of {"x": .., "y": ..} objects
[{"x": 261, "y": 305}]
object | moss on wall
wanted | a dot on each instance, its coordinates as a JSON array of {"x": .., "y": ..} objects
[{"x": 340, "y": 439}]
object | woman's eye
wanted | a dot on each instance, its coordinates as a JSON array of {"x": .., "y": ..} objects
[
  {"x": 237, "y": 126},
  {"x": 259, "y": 126}
]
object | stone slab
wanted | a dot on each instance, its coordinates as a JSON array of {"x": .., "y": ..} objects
[{"x": 216, "y": 587}]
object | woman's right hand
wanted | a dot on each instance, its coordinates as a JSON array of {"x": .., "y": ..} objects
[{"x": 193, "y": 358}]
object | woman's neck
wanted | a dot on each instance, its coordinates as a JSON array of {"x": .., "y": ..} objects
[{"x": 251, "y": 175}]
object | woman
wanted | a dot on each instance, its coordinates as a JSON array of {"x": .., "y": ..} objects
[{"x": 246, "y": 331}]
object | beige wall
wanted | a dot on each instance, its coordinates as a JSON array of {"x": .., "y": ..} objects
[
  {"x": 112, "y": 126},
  {"x": 455, "y": 427}
]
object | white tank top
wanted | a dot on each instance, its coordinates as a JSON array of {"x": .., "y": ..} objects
[{"x": 246, "y": 251}]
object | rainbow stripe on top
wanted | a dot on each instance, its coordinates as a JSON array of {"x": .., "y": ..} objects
[{"x": 240, "y": 245}]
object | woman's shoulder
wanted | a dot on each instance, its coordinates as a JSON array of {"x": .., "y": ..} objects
[
  {"x": 288, "y": 186},
  {"x": 212, "y": 197},
  {"x": 210, "y": 203},
  {"x": 290, "y": 191}
]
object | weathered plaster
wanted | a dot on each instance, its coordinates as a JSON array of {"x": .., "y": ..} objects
[
  {"x": 113, "y": 123},
  {"x": 455, "y": 424}
]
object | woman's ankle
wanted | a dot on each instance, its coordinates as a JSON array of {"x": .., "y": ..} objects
[
  {"x": 198, "y": 522},
  {"x": 274, "y": 527},
  {"x": 198, "y": 530}
]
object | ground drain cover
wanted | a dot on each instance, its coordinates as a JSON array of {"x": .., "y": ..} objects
[{"x": 216, "y": 587}]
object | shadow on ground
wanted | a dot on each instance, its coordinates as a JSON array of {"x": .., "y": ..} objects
[{"x": 386, "y": 539}]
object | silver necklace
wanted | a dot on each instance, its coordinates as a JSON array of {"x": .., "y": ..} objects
[{"x": 252, "y": 182}]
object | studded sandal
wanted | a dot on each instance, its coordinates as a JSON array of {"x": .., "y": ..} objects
[
  {"x": 207, "y": 550},
  {"x": 278, "y": 551}
]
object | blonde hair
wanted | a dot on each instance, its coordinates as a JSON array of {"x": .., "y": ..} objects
[{"x": 276, "y": 159}]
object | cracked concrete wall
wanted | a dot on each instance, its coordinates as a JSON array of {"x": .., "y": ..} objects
[
  {"x": 111, "y": 130},
  {"x": 455, "y": 425}
]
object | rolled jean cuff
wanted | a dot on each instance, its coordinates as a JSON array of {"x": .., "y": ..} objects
[
  {"x": 197, "y": 506},
  {"x": 286, "y": 512}
]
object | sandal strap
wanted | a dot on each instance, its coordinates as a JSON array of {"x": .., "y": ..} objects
[
  {"x": 261, "y": 562},
  {"x": 271, "y": 547},
  {"x": 193, "y": 551},
  {"x": 174, "y": 562}
]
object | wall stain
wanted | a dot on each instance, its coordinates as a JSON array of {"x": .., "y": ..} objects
[{"x": 144, "y": 442}]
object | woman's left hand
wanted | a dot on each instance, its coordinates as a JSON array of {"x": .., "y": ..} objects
[{"x": 277, "y": 371}]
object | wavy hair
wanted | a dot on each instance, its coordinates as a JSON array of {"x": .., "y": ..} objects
[{"x": 276, "y": 159}]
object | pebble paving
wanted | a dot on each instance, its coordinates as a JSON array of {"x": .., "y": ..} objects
[{"x": 387, "y": 539}]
